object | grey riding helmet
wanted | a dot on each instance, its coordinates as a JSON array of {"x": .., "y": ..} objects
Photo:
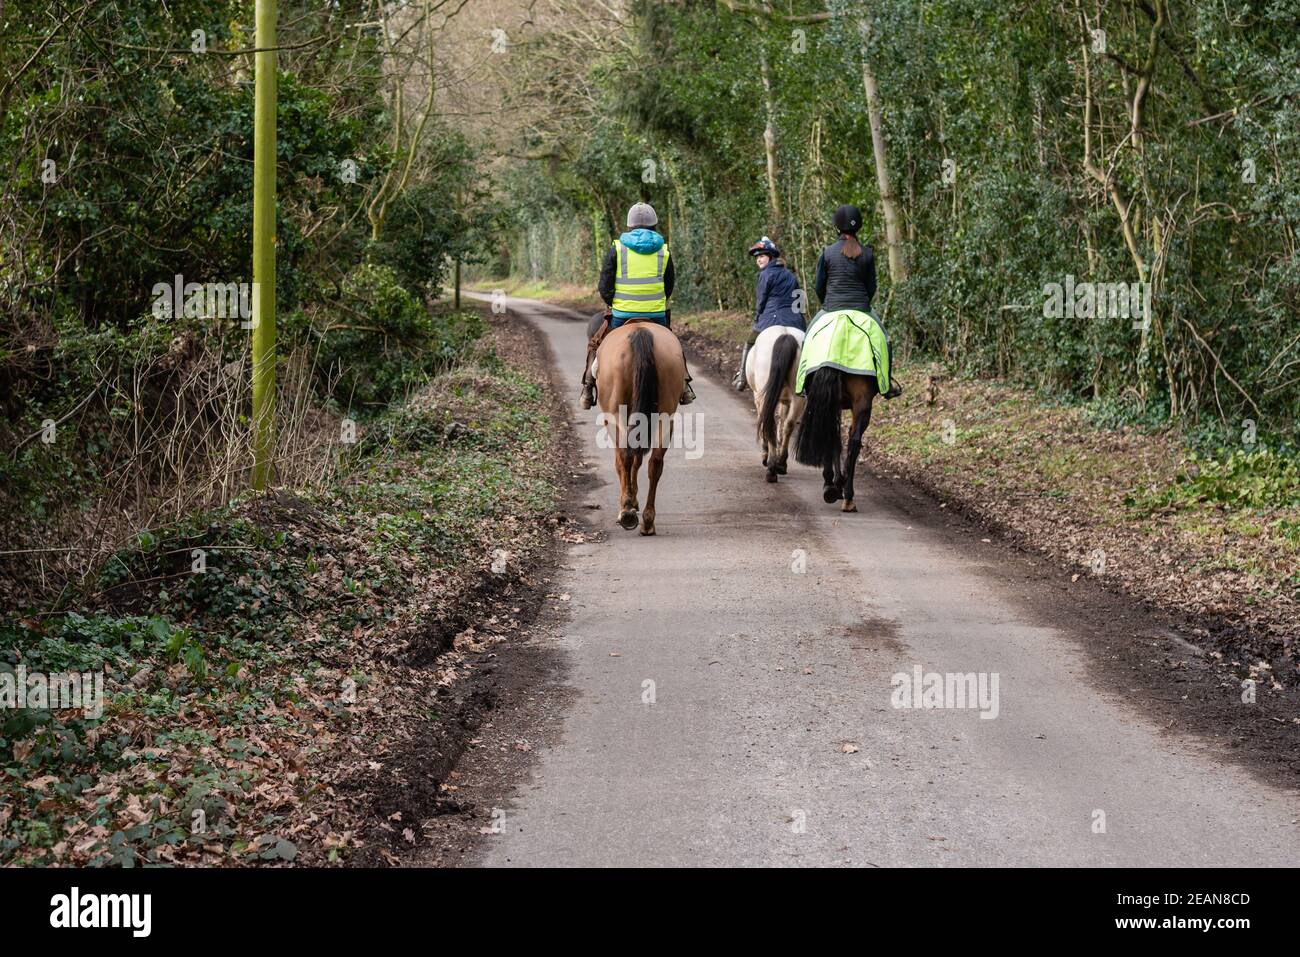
[{"x": 642, "y": 214}]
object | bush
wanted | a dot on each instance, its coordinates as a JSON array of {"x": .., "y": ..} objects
[
  {"x": 381, "y": 341},
  {"x": 1260, "y": 479}
]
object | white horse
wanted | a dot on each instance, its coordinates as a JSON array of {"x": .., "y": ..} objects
[{"x": 770, "y": 370}]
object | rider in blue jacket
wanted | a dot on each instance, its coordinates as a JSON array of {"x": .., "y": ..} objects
[{"x": 780, "y": 301}]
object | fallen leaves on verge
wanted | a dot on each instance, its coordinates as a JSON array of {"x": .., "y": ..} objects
[{"x": 289, "y": 753}]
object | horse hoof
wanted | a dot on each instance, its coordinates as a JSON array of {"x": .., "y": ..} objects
[
  {"x": 765, "y": 460},
  {"x": 771, "y": 475},
  {"x": 831, "y": 494},
  {"x": 628, "y": 520},
  {"x": 647, "y": 529},
  {"x": 848, "y": 506}
]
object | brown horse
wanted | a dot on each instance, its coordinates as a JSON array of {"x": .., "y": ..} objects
[
  {"x": 831, "y": 391},
  {"x": 640, "y": 373}
]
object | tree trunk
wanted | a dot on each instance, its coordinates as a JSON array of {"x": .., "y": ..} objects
[
  {"x": 888, "y": 202},
  {"x": 769, "y": 147}
]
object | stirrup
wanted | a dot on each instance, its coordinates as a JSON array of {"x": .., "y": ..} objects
[
  {"x": 688, "y": 394},
  {"x": 895, "y": 390},
  {"x": 588, "y": 395}
]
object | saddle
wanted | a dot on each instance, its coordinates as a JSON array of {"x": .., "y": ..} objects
[{"x": 598, "y": 328}]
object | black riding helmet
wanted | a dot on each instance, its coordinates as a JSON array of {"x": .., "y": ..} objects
[{"x": 848, "y": 219}]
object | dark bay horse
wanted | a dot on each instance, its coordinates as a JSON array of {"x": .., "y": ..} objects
[
  {"x": 640, "y": 374},
  {"x": 829, "y": 392}
]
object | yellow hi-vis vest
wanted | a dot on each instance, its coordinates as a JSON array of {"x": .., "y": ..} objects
[{"x": 639, "y": 282}]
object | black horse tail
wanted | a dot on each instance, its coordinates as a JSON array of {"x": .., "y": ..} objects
[
  {"x": 820, "y": 440},
  {"x": 645, "y": 392},
  {"x": 784, "y": 354}
]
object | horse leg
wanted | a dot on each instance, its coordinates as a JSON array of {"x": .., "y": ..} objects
[
  {"x": 776, "y": 454},
  {"x": 768, "y": 450},
  {"x": 861, "y": 419},
  {"x": 654, "y": 469},
  {"x": 758, "y": 411},
  {"x": 833, "y": 477},
  {"x": 633, "y": 481},
  {"x": 830, "y": 487},
  {"x": 623, "y": 459},
  {"x": 785, "y": 423}
]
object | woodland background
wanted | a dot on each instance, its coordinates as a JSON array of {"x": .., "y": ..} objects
[
  {"x": 1115, "y": 142},
  {"x": 996, "y": 147}
]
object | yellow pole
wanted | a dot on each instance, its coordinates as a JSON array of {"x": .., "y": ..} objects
[{"x": 264, "y": 244}]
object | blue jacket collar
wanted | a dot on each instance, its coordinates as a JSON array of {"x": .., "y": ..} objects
[{"x": 642, "y": 240}]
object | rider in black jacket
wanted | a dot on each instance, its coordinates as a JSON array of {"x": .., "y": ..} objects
[{"x": 846, "y": 274}]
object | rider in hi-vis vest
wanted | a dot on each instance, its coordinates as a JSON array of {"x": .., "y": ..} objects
[
  {"x": 639, "y": 284},
  {"x": 636, "y": 280}
]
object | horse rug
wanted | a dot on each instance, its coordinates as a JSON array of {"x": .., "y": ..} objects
[{"x": 848, "y": 340}]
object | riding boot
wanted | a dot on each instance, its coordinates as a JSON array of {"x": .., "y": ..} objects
[
  {"x": 895, "y": 387},
  {"x": 738, "y": 381},
  {"x": 688, "y": 394},
  {"x": 588, "y": 398}
]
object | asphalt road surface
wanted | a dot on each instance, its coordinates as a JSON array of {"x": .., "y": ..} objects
[{"x": 735, "y": 694}]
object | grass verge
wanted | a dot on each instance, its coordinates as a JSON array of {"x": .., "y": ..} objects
[
  {"x": 568, "y": 294},
  {"x": 268, "y": 665}
]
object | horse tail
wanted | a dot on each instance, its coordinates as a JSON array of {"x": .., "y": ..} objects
[
  {"x": 820, "y": 441},
  {"x": 645, "y": 390},
  {"x": 784, "y": 355}
]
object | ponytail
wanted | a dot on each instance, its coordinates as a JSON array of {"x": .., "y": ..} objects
[{"x": 852, "y": 248}]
